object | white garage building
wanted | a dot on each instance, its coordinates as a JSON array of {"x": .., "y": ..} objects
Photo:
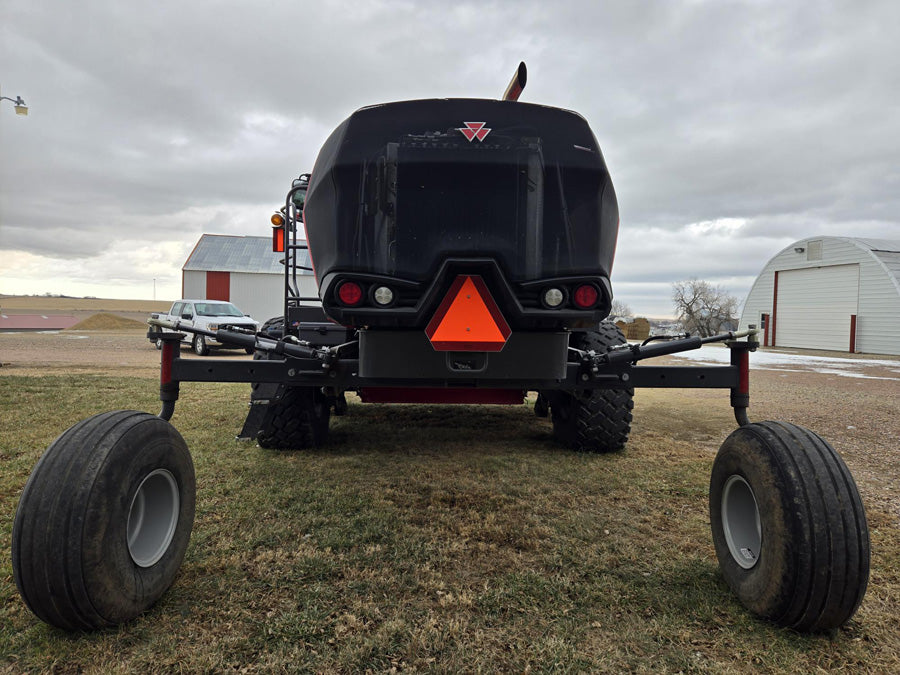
[
  {"x": 836, "y": 293},
  {"x": 242, "y": 270}
]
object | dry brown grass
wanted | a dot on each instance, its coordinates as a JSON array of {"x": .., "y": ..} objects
[
  {"x": 105, "y": 321},
  {"x": 23, "y": 303}
]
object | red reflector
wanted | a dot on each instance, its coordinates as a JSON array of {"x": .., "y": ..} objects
[
  {"x": 468, "y": 319},
  {"x": 278, "y": 239},
  {"x": 586, "y": 296},
  {"x": 350, "y": 293}
]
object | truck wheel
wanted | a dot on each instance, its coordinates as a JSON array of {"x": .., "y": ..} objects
[
  {"x": 298, "y": 420},
  {"x": 788, "y": 526},
  {"x": 273, "y": 328},
  {"x": 104, "y": 521},
  {"x": 593, "y": 420},
  {"x": 199, "y": 345}
]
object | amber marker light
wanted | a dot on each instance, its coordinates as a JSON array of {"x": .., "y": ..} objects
[{"x": 277, "y": 232}]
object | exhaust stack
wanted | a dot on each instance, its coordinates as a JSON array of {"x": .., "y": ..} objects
[{"x": 517, "y": 84}]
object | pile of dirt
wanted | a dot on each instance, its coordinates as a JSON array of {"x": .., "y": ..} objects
[{"x": 104, "y": 321}]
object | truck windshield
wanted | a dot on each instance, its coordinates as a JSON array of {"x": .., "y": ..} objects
[{"x": 217, "y": 309}]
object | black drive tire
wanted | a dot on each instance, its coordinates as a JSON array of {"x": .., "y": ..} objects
[
  {"x": 297, "y": 421},
  {"x": 789, "y": 527},
  {"x": 594, "y": 420},
  {"x": 273, "y": 328},
  {"x": 104, "y": 521},
  {"x": 199, "y": 346}
]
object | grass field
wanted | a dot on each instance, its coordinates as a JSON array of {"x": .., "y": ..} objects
[{"x": 433, "y": 539}]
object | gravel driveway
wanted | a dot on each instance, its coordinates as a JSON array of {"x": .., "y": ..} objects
[{"x": 104, "y": 351}]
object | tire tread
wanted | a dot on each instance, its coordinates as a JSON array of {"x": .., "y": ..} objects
[
  {"x": 828, "y": 541},
  {"x": 50, "y": 525},
  {"x": 297, "y": 421},
  {"x": 595, "y": 420}
]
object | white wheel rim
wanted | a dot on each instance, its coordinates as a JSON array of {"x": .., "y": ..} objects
[
  {"x": 152, "y": 518},
  {"x": 740, "y": 520}
]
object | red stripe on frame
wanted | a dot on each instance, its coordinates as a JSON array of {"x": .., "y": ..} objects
[{"x": 435, "y": 395}]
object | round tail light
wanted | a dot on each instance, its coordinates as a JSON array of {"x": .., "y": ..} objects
[
  {"x": 350, "y": 293},
  {"x": 553, "y": 297},
  {"x": 383, "y": 296},
  {"x": 586, "y": 296}
]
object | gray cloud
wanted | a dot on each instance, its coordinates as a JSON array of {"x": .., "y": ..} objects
[{"x": 150, "y": 124}]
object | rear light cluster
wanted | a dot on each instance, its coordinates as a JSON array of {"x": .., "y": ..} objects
[
  {"x": 562, "y": 295},
  {"x": 582, "y": 296},
  {"x": 352, "y": 294}
]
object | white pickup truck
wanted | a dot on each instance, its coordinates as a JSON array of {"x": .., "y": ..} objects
[{"x": 210, "y": 315}]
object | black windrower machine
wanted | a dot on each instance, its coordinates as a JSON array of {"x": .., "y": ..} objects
[{"x": 463, "y": 251}]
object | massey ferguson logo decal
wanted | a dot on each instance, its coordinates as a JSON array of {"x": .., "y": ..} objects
[{"x": 474, "y": 130}]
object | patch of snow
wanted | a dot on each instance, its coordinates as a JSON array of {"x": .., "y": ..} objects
[
  {"x": 827, "y": 365},
  {"x": 846, "y": 373}
]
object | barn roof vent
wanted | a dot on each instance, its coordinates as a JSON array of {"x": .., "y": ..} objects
[{"x": 814, "y": 250}]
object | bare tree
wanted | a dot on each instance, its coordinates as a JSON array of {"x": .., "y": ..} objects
[
  {"x": 703, "y": 309},
  {"x": 619, "y": 308}
]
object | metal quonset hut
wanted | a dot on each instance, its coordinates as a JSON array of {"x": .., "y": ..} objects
[
  {"x": 242, "y": 270},
  {"x": 836, "y": 293}
]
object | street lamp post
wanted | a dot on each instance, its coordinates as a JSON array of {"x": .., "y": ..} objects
[{"x": 21, "y": 108}]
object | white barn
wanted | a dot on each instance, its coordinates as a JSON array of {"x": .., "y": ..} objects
[
  {"x": 834, "y": 293},
  {"x": 242, "y": 270}
]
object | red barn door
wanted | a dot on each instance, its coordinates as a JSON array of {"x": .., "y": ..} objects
[{"x": 218, "y": 286}]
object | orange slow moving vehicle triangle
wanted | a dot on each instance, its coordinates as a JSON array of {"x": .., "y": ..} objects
[{"x": 468, "y": 319}]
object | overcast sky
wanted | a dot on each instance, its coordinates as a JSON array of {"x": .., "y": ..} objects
[{"x": 731, "y": 129}]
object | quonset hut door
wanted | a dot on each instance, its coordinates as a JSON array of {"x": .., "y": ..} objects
[{"x": 815, "y": 305}]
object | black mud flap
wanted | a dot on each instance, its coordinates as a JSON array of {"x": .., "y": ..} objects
[
  {"x": 254, "y": 422},
  {"x": 261, "y": 397}
]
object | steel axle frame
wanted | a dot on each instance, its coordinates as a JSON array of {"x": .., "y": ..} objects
[{"x": 305, "y": 365}]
